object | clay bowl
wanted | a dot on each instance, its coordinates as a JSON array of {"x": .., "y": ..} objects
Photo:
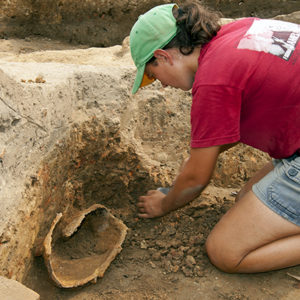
[{"x": 82, "y": 250}]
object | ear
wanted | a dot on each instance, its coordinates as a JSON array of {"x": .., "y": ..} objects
[{"x": 163, "y": 55}]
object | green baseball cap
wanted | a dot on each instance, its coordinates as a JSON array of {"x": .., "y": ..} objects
[{"x": 153, "y": 30}]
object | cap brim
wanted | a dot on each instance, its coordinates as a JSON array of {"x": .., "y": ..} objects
[{"x": 141, "y": 79}]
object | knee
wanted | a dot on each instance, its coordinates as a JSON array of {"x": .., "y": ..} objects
[{"x": 220, "y": 254}]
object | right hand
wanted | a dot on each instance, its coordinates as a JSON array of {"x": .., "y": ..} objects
[{"x": 150, "y": 205}]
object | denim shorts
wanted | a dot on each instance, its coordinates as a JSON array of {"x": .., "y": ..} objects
[{"x": 280, "y": 189}]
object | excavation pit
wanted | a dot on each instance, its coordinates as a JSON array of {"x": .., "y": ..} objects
[{"x": 87, "y": 187}]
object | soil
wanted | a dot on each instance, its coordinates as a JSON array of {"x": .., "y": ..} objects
[
  {"x": 103, "y": 160},
  {"x": 165, "y": 258}
]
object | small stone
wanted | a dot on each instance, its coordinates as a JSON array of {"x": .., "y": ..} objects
[
  {"x": 183, "y": 248},
  {"x": 160, "y": 244},
  {"x": 198, "y": 240},
  {"x": 198, "y": 271},
  {"x": 151, "y": 250},
  {"x": 175, "y": 269},
  {"x": 190, "y": 261},
  {"x": 187, "y": 272},
  {"x": 168, "y": 266},
  {"x": 156, "y": 256},
  {"x": 164, "y": 252},
  {"x": 177, "y": 254},
  {"x": 198, "y": 213},
  {"x": 169, "y": 230},
  {"x": 189, "y": 211},
  {"x": 143, "y": 244},
  {"x": 175, "y": 243}
]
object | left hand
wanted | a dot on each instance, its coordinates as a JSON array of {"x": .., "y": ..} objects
[{"x": 150, "y": 205}]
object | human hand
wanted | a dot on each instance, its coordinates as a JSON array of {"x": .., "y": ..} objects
[{"x": 150, "y": 205}]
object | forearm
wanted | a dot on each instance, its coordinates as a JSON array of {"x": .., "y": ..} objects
[
  {"x": 188, "y": 185},
  {"x": 193, "y": 178}
]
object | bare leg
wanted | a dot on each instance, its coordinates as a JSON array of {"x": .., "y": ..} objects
[{"x": 252, "y": 238}]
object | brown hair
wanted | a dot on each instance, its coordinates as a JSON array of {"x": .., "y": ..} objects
[{"x": 196, "y": 26}]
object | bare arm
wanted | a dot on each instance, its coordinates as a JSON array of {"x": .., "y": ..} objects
[{"x": 188, "y": 185}]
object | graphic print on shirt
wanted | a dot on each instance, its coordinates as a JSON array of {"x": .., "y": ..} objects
[{"x": 271, "y": 36}]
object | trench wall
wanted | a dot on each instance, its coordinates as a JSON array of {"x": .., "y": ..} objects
[{"x": 104, "y": 23}]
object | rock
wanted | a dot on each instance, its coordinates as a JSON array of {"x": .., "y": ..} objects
[
  {"x": 13, "y": 290},
  {"x": 198, "y": 271},
  {"x": 175, "y": 268},
  {"x": 152, "y": 264},
  {"x": 190, "y": 261},
  {"x": 184, "y": 248},
  {"x": 196, "y": 240},
  {"x": 160, "y": 244},
  {"x": 187, "y": 272},
  {"x": 177, "y": 254},
  {"x": 167, "y": 265},
  {"x": 156, "y": 256},
  {"x": 143, "y": 244},
  {"x": 175, "y": 243},
  {"x": 169, "y": 230}
]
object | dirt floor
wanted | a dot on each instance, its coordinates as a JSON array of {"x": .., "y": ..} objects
[{"x": 163, "y": 258}]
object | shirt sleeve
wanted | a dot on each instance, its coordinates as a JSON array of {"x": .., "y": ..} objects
[{"x": 215, "y": 115}]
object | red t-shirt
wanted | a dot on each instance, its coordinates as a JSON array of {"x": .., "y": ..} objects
[{"x": 247, "y": 88}]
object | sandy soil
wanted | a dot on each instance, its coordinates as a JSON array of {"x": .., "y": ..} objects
[{"x": 162, "y": 258}]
